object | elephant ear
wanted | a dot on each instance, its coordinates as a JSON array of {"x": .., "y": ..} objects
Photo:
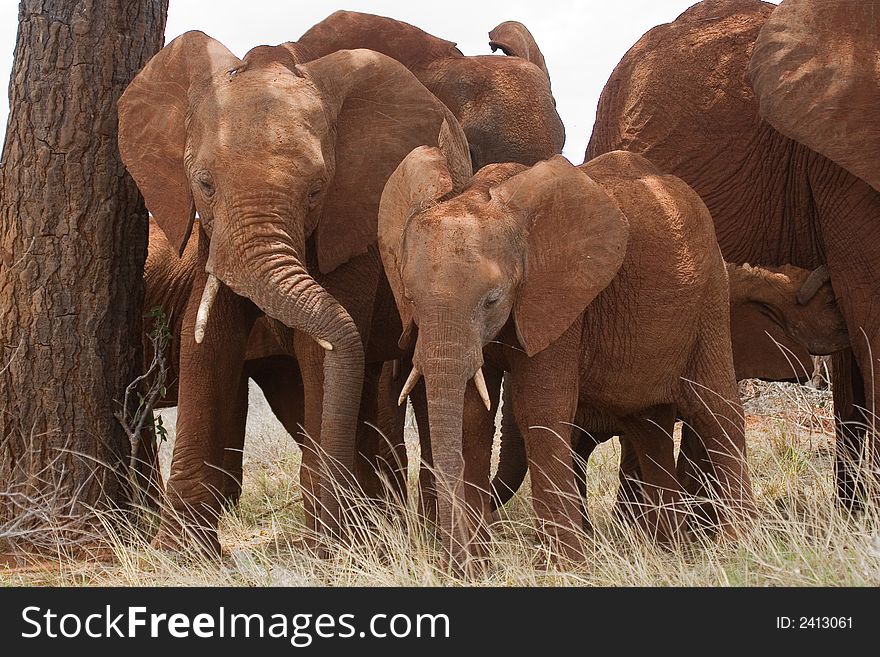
[
  {"x": 816, "y": 72},
  {"x": 152, "y": 125},
  {"x": 425, "y": 175},
  {"x": 514, "y": 39},
  {"x": 382, "y": 112},
  {"x": 577, "y": 239}
]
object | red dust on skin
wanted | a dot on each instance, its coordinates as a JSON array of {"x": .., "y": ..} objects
[{"x": 615, "y": 294}]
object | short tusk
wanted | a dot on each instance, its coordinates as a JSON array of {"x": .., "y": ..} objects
[
  {"x": 480, "y": 383},
  {"x": 411, "y": 382},
  {"x": 210, "y": 293},
  {"x": 324, "y": 344}
]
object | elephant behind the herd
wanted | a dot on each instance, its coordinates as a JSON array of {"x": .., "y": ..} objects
[{"x": 789, "y": 169}]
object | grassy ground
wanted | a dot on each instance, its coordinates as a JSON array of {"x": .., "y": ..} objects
[{"x": 800, "y": 539}]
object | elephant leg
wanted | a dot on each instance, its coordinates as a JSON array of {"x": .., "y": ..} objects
[
  {"x": 390, "y": 420},
  {"x": 857, "y": 459},
  {"x": 427, "y": 493},
  {"x": 545, "y": 398},
  {"x": 650, "y": 437},
  {"x": 310, "y": 357},
  {"x": 850, "y": 429},
  {"x": 478, "y": 432},
  {"x": 693, "y": 470},
  {"x": 850, "y": 236},
  {"x": 233, "y": 451},
  {"x": 709, "y": 402},
  {"x": 512, "y": 460},
  {"x": 206, "y": 420},
  {"x": 281, "y": 383},
  {"x": 367, "y": 463}
]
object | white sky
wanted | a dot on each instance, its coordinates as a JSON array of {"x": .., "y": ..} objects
[{"x": 582, "y": 40}]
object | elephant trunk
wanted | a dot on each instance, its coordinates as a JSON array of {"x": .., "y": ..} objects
[
  {"x": 445, "y": 394},
  {"x": 448, "y": 357},
  {"x": 269, "y": 271}
]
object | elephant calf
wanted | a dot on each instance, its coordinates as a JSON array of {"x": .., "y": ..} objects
[
  {"x": 599, "y": 287},
  {"x": 801, "y": 303}
]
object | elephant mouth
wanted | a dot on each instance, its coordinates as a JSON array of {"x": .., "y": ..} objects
[{"x": 478, "y": 379}]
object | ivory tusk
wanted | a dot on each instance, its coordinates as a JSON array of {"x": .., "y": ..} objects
[
  {"x": 480, "y": 383},
  {"x": 817, "y": 278},
  {"x": 411, "y": 382},
  {"x": 208, "y": 295},
  {"x": 324, "y": 344}
]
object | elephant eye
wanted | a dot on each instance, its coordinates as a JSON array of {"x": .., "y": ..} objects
[
  {"x": 315, "y": 194},
  {"x": 206, "y": 183},
  {"x": 492, "y": 298}
]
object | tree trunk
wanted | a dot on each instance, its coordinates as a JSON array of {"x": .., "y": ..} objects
[{"x": 73, "y": 239}]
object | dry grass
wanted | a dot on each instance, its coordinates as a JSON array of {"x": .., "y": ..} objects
[{"x": 801, "y": 538}]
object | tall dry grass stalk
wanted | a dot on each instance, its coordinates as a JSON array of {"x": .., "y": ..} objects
[{"x": 800, "y": 537}]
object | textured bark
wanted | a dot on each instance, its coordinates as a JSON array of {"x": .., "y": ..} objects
[{"x": 74, "y": 236}]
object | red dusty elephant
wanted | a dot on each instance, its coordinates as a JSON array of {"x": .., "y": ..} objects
[
  {"x": 770, "y": 114},
  {"x": 800, "y": 303},
  {"x": 599, "y": 288}
]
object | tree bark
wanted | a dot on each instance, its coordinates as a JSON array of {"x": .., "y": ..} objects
[{"x": 73, "y": 239}]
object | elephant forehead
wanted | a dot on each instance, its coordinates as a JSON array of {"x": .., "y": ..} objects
[
  {"x": 459, "y": 258},
  {"x": 449, "y": 230},
  {"x": 264, "y": 96},
  {"x": 257, "y": 119}
]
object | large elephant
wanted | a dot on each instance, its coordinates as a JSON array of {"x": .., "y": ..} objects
[
  {"x": 799, "y": 302},
  {"x": 504, "y": 104},
  {"x": 284, "y": 163},
  {"x": 770, "y": 114},
  {"x": 600, "y": 288}
]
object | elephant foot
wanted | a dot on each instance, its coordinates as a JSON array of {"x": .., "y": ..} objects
[
  {"x": 195, "y": 537},
  {"x": 564, "y": 546},
  {"x": 703, "y": 519},
  {"x": 230, "y": 496},
  {"x": 587, "y": 525}
]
